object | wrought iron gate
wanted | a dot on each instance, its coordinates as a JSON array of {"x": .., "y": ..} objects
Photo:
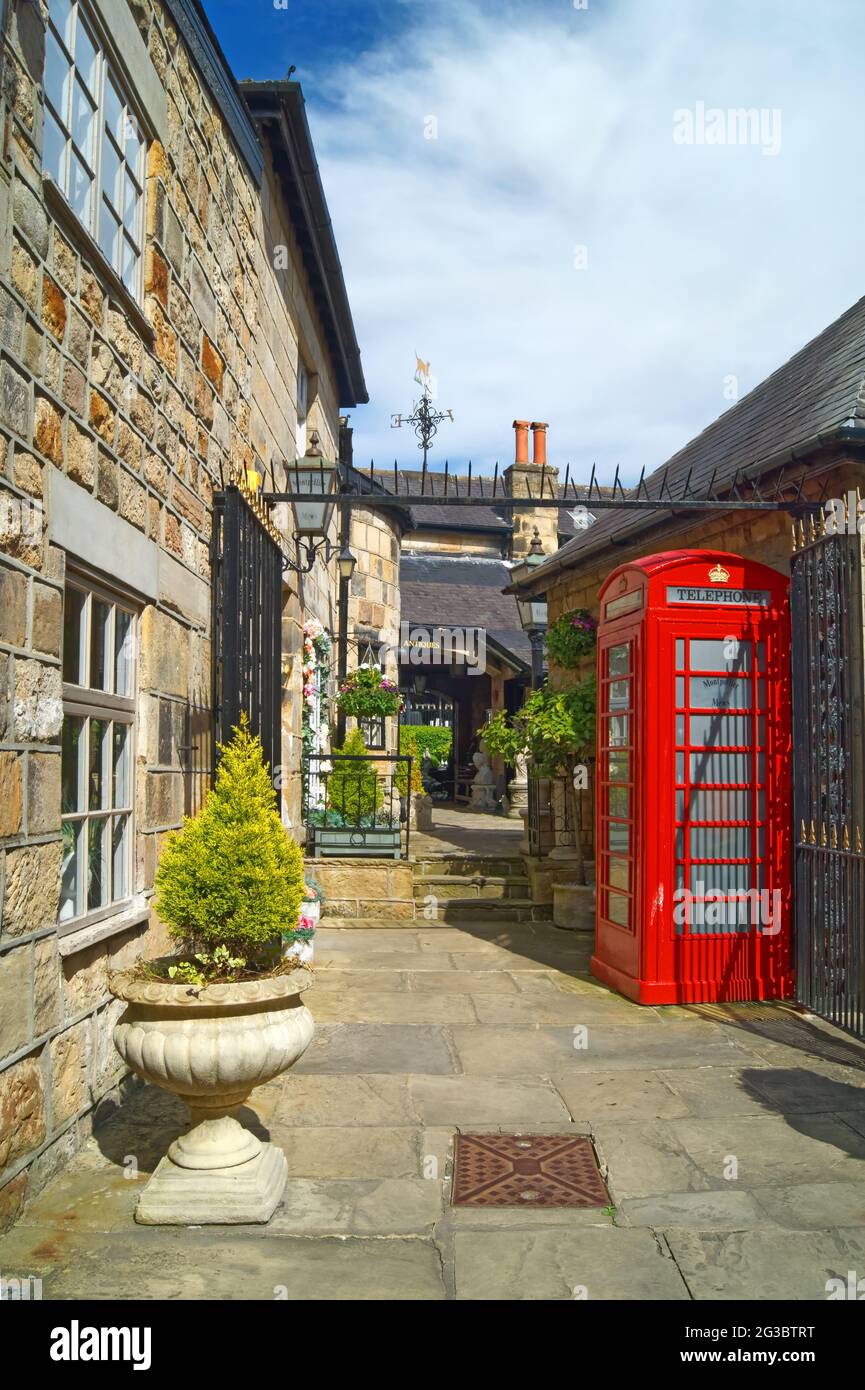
[
  {"x": 829, "y": 773},
  {"x": 247, "y": 620}
]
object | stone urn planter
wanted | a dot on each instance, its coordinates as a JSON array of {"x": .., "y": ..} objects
[{"x": 212, "y": 1045}]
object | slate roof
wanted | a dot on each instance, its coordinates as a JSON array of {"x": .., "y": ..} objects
[
  {"x": 814, "y": 399},
  {"x": 449, "y": 590}
]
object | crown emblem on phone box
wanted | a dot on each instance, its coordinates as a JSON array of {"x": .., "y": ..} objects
[{"x": 718, "y": 575}]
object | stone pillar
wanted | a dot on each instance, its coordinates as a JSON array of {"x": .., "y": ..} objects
[{"x": 518, "y": 790}]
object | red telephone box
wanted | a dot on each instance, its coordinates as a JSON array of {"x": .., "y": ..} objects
[{"x": 694, "y": 780}]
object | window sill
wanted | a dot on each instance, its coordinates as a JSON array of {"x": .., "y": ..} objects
[
  {"x": 61, "y": 210},
  {"x": 82, "y": 938}
]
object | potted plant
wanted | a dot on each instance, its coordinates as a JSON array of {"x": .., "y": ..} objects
[
  {"x": 313, "y": 897},
  {"x": 225, "y": 1013},
  {"x": 560, "y": 729},
  {"x": 353, "y": 821},
  {"x": 298, "y": 942},
  {"x": 367, "y": 694}
]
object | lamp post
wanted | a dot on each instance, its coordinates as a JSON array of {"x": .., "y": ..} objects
[
  {"x": 533, "y": 610},
  {"x": 314, "y": 476},
  {"x": 346, "y": 565}
]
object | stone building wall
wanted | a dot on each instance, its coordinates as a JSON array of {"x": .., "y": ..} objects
[
  {"x": 374, "y": 597},
  {"x": 119, "y": 416}
]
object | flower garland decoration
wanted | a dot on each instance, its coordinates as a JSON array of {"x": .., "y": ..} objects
[
  {"x": 317, "y": 648},
  {"x": 571, "y": 637},
  {"x": 367, "y": 694}
]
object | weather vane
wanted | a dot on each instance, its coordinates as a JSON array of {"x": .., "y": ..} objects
[{"x": 424, "y": 420}]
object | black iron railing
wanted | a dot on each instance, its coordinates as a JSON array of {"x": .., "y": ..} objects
[
  {"x": 829, "y": 774},
  {"x": 357, "y": 805},
  {"x": 555, "y": 811},
  {"x": 247, "y": 621}
]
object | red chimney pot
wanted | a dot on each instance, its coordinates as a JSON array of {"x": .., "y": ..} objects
[
  {"x": 522, "y": 442},
  {"x": 539, "y": 441}
]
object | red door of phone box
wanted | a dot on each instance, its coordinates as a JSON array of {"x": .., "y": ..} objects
[{"x": 694, "y": 792}]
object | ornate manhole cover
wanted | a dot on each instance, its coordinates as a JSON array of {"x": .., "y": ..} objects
[{"x": 522, "y": 1170}]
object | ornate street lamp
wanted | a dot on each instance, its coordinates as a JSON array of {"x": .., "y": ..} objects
[
  {"x": 308, "y": 481},
  {"x": 533, "y": 610},
  {"x": 346, "y": 563}
]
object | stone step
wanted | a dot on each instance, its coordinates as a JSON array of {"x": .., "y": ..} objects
[
  {"x": 456, "y": 910},
  {"x": 478, "y": 886},
  {"x": 468, "y": 866}
]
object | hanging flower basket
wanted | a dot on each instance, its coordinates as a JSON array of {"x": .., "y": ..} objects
[
  {"x": 571, "y": 637},
  {"x": 367, "y": 694}
]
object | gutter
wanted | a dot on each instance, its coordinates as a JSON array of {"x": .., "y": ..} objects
[
  {"x": 282, "y": 103},
  {"x": 795, "y": 453}
]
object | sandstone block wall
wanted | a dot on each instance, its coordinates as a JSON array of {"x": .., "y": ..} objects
[{"x": 131, "y": 412}]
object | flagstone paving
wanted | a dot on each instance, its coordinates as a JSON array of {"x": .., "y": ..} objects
[{"x": 732, "y": 1141}]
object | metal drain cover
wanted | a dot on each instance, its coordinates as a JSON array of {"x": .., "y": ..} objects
[{"x": 519, "y": 1170}]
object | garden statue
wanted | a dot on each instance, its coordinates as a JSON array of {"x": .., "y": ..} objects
[{"x": 483, "y": 788}]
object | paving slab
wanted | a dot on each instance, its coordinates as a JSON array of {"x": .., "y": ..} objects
[
  {"x": 443, "y": 982},
  {"x": 185, "y": 1263},
  {"x": 707, "y": 1211},
  {"x": 358, "y": 1207},
  {"x": 513, "y": 1051},
  {"x": 382, "y": 1101},
  {"x": 346, "y": 975},
  {"x": 591, "y": 1262},
  {"x": 707, "y": 1092},
  {"x": 343, "y": 1004},
  {"x": 619, "y": 1095},
  {"x": 355, "y": 1151},
  {"x": 373, "y": 1048},
  {"x": 366, "y": 941},
  {"x": 814, "y": 1205},
  {"x": 765, "y": 1264},
  {"x": 495, "y": 1100},
  {"x": 396, "y": 958},
  {"x": 643, "y": 1158},
  {"x": 773, "y": 1149},
  {"x": 531, "y": 1009}
]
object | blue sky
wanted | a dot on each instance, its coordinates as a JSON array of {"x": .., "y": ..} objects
[{"x": 518, "y": 196}]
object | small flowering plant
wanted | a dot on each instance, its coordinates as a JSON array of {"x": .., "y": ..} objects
[
  {"x": 367, "y": 694},
  {"x": 304, "y": 931},
  {"x": 571, "y": 637},
  {"x": 312, "y": 890}
]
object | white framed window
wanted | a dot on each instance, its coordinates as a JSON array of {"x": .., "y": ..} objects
[
  {"x": 98, "y": 755},
  {"x": 93, "y": 148}
]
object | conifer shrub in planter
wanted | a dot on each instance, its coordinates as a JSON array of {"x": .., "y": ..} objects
[
  {"x": 355, "y": 821},
  {"x": 224, "y": 1014}
]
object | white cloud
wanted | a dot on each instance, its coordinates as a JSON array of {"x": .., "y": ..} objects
[{"x": 555, "y": 130}]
